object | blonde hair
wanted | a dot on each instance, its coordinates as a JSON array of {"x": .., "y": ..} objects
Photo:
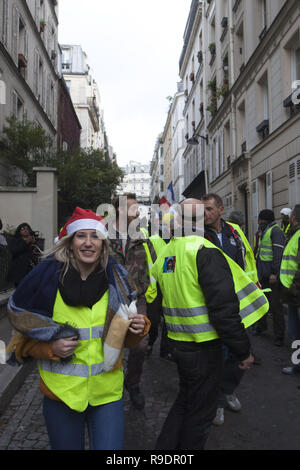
[{"x": 62, "y": 253}]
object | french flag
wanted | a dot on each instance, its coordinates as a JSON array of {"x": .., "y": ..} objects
[{"x": 168, "y": 198}]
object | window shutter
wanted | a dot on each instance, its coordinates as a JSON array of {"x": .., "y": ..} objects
[
  {"x": 254, "y": 192},
  {"x": 210, "y": 165},
  {"x": 37, "y": 12},
  {"x": 48, "y": 96},
  {"x": 217, "y": 172},
  {"x": 26, "y": 44},
  {"x": 36, "y": 74},
  {"x": 269, "y": 190},
  {"x": 294, "y": 182},
  {"x": 15, "y": 28},
  {"x": 222, "y": 152},
  {"x": 14, "y": 103}
]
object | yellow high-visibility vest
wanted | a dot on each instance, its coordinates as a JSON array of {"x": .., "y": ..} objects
[
  {"x": 184, "y": 305},
  {"x": 82, "y": 381},
  {"x": 289, "y": 262}
]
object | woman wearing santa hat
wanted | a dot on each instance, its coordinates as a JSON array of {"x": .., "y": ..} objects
[{"x": 74, "y": 313}]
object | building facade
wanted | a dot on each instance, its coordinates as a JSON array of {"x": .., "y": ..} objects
[
  {"x": 28, "y": 65},
  {"x": 157, "y": 171},
  {"x": 167, "y": 137},
  {"x": 68, "y": 124},
  {"x": 178, "y": 142},
  {"x": 136, "y": 180},
  {"x": 240, "y": 64},
  {"x": 85, "y": 96}
]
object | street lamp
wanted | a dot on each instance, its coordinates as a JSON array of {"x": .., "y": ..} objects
[{"x": 194, "y": 141}]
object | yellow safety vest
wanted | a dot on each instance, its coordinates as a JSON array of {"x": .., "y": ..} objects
[
  {"x": 158, "y": 244},
  {"x": 290, "y": 263},
  {"x": 250, "y": 268},
  {"x": 82, "y": 381},
  {"x": 184, "y": 305},
  {"x": 265, "y": 246}
]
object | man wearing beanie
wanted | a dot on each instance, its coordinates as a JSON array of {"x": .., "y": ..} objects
[{"x": 271, "y": 243}]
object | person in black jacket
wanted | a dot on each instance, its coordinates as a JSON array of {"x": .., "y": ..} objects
[
  {"x": 24, "y": 253},
  {"x": 200, "y": 363}
]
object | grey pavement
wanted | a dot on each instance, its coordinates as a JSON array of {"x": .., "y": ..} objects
[
  {"x": 11, "y": 378},
  {"x": 269, "y": 418}
]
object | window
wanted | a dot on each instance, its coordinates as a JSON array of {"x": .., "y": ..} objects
[
  {"x": 39, "y": 79},
  {"x": 66, "y": 60},
  {"x": 295, "y": 65},
  {"x": 265, "y": 94},
  {"x": 41, "y": 84},
  {"x": 227, "y": 144},
  {"x": 239, "y": 49},
  {"x": 241, "y": 128},
  {"x": 210, "y": 164},
  {"x": 291, "y": 64},
  {"x": 269, "y": 190},
  {"x": 217, "y": 155},
  {"x": 17, "y": 106},
  {"x": 212, "y": 41},
  {"x": 263, "y": 106}
]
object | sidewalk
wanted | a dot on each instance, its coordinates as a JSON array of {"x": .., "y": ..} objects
[{"x": 11, "y": 378}]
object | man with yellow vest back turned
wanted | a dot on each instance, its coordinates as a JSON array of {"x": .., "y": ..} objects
[
  {"x": 207, "y": 300},
  {"x": 269, "y": 253},
  {"x": 290, "y": 282}
]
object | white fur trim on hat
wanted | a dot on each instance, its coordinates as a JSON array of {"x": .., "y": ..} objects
[{"x": 86, "y": 224}]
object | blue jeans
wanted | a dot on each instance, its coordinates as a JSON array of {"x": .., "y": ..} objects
[{"x": 105, "y": 424}]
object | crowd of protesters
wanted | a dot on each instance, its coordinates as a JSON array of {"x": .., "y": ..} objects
[{"x": 76, "y": 308}]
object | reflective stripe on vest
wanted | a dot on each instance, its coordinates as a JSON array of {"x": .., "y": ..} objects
[
  {"x": 184, "y": 307},
  {"x": 290, "y": 261},
  {"x": 82, "y": 380}
]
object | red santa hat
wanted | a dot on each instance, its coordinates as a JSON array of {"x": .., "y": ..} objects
[{"x": 83, "y": 219}]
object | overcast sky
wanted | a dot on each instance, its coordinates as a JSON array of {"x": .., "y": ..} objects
[{"x": 133, "y": 49}]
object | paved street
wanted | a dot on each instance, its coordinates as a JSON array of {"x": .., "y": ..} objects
[{"x": 269, "y": 418}]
